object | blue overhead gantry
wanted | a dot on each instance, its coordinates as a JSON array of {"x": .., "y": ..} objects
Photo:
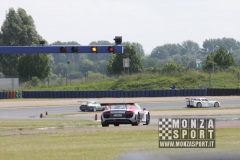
[{"x": 118, "y": 48}]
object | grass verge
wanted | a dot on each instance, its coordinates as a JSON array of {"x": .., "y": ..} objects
[{"x": 93, "y": 142}]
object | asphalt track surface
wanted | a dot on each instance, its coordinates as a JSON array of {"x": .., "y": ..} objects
[{"x": 34, "y": 112}]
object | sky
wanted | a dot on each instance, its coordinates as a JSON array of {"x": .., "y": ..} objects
[{"x": 151, "y": 23}]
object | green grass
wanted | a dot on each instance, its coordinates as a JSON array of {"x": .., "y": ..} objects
[
  {"x": 93, "y": 144},
  {"x": 89, "y": 145},
  {"x": 29, "y": 125},
  {"x": 228, "y": 138},
  {"x": 154, "y": 82}
]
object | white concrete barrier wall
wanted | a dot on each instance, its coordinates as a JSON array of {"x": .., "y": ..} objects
[{"x": 9, "y": 83}]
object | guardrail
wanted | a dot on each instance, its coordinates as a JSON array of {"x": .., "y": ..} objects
[{"x": 119, "y": 93}]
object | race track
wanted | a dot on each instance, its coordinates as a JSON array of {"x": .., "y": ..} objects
[{"x": 35, "y": 111}]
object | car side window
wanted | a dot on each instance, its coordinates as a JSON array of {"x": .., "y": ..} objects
[{"x": 138, "y": 107}]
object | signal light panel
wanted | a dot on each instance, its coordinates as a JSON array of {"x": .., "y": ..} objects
[{"x": 118, "y": 49}]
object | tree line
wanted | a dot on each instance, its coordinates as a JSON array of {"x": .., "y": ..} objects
[{"x": 19, "y": 29}]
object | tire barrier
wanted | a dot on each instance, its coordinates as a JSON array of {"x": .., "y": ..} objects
[
  {"x": 18, "y": 94},
  {"x": 114, "y": 94},
  {"x": 223, "y": 92},
  {"x": 120, "y": 93},
  {"x": 10, "y": 94}
]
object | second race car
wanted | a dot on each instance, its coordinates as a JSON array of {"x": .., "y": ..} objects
[
  {"x": 201, "y": 102},
  {"x": 91, "y": 106},
  {"x": 124, "y": 113}
]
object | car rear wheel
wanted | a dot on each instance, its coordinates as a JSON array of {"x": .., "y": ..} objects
[
  {"x": 199, "y": 105},
  {"x": 116, "y": 124},
  {"x": 216, "y": 104},
  {"x": 147, "y": 119},
  {"x": 105, "y": 124},
  {"x": 137, "y": 118}
]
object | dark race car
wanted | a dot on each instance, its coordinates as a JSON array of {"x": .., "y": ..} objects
[{"x": 124, "y": 113}]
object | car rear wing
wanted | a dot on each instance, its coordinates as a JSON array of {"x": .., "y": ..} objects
[
  {"x": 83, "y": 102},
  {"x": 108, "y": 104},
  {"x": 189, "y": 99}
]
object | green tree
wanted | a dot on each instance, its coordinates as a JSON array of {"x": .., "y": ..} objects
[
  {"x": 37, "y": 65},
  {"x": 61, "y": 69},
  {"x": 151, "y": 62},
  {"x": 229, "y": 44},
  {"x": 166, "y": 51},
  {"x": 115, "y": 64},
  {"x": 172, "y": 67},
  {"x": 18, "y": 29},
  {"x": 87, "y": 65},
  {"x": 190, "y": 47},
  {"x": 221, "y": 58},
  {"x": 139, "y": 49},
  {"x": 160, "y": 53}
]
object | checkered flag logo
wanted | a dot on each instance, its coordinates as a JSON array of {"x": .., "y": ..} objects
[{"x": 165, "y": 128}]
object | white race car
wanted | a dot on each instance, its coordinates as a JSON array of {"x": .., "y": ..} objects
[
  {"x": 201, "y": 102},
  {"x": 124, "y": 113},
  {"x": 91, "y": 106}
]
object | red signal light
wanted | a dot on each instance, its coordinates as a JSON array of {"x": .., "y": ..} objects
[
  {"x": 110, "y": 49},
  {"x": 63, "y": 49}
]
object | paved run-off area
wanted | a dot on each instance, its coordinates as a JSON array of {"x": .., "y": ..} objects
[{"x": 5, "y": 103}]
